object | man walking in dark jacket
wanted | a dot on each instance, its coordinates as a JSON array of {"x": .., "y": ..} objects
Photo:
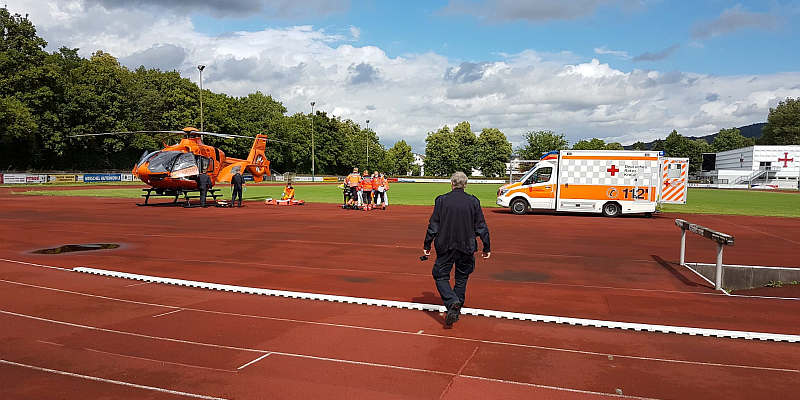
[
  {"x": 237, "y": 182},
  {"x": 203, "y": 183},
  {"x": 456, "y": 220}
]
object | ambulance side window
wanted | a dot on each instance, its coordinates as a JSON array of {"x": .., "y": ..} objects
[{"x": 543, "y": 175}]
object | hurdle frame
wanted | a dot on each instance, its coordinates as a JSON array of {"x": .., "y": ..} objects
[{"x": 722, "y": 240}]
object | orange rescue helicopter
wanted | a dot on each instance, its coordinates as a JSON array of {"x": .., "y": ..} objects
[{"x": 173, "y": 170}]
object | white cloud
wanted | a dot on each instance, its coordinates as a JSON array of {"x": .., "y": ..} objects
[
  {"x": 408, "y": 96},
  {"x": 620, "y": 54}
]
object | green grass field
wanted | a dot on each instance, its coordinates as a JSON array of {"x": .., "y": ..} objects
[{"x": 700, "y": 201}]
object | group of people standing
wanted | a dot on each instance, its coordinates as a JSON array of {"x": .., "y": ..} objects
[{"x": 365, "y": 191}]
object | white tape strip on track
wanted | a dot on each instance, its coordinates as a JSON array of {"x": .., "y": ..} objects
[{"x": 438, "y": 308}]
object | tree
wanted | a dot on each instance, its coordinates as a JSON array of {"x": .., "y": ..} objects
[
  {"x": 441, "y": 152},
  {"x": 493, "y": 151},
  {"x": 540, "y": 142},
  {"x": 466, "y": 142},
  {"x": 676, "y": 145},
  {"x": 729, "y": 139},
  {"x": 27, "y": 81},
  {"x": 639, "y": 146},
  {"x": 399, "y": 159},
  {"x": 783, "y": 123},
  {"x": 594, "y": 144},
  {"x": 614, "y": 146}
]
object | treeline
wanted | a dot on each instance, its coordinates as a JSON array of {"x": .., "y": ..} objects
[
  {"x": 48, "y": 98},
  {"x": 782, "y": 128}
]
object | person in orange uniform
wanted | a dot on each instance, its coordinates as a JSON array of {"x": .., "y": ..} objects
[
  {"x": 366, "y": 191},
  {"x": 378, "y": 184},
  {"x": 288, "y": 192},
  {"x": 352, "y": 182},
  {"x": 385, "y": 190}
]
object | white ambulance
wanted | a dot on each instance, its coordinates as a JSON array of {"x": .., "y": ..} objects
[{"x": 611, "y": 182}]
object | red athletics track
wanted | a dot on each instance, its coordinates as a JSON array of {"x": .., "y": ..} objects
[{"x": 193, "y": 341}]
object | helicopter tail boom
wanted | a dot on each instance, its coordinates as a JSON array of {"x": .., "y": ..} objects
[{"x": 256, "y": 162}]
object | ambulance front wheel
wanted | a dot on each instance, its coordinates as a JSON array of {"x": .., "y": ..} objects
[
  {"x": 519, "y": 206},
  {"x": 611, "y": 209}
]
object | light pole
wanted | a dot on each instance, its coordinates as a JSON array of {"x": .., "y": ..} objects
[
  {"x": 312, "y": 141},
  {"x": 201, "y": 68},
  {"x": 367, "y": 144}
]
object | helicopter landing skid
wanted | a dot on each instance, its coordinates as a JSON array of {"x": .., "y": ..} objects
[{"x": 186, "y": 195}]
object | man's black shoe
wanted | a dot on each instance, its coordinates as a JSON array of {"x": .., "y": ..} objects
[{"x": 452, "y": 314}]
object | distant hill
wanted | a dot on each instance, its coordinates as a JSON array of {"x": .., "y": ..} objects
[{"x": 751, "y": 131}]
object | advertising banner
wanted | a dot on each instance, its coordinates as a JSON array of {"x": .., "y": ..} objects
[
  {"x": 62, "y": 178},
  {"x": 127, "y": 177},
  {"x": 14, "y": 179},
  {"x": 94, "y": 178},
  {"x": 36, "y": 179},
  {"x": 1, "y": 179},
  {"x": 330, "y": 179}
]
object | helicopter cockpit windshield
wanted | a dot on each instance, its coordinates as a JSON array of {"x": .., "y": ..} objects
[
  {"x": 145, "y": 156},
  {"x": 162, "y": 161},
  {"x": 185, "y": 165}
]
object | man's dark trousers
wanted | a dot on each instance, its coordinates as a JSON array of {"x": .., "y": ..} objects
[
  {"x": 237, "y": 191},
  {"x": 203, "y": 192},
  {"x": 465, "y": 265}
]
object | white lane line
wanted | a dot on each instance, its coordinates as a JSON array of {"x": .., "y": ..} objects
[
  {"x": 328, "y": 269},
  {"x": 52, "y": 343},
  {"x": 138, "y": 284},
  {"x": 34, "y": 264},
  {"x": 167, "y": 313},
  {"x": 112, "y": 381},
  {"x": 420, "y": 333},
  {"x": 470, "y": 311},
  {"x": 157, "y": 361},
  {"x": 614, "y": 395},
  {"x": 304, "y": 356},
  {"x": 755, "y": 230},
  {"x": 255, "y": 361}
]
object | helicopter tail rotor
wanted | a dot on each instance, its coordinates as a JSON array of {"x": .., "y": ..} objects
[{"x": 258, "y": 165}]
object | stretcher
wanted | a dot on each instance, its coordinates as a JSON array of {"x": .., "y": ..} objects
[{"x": 291, "y": 202}]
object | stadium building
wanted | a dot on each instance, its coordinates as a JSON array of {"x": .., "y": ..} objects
[{"x": 775, "y": 167}]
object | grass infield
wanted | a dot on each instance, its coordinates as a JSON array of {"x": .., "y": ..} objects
[{"x": 700, "y": 201}]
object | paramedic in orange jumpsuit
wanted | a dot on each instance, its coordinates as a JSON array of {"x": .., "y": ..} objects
[
  {"x": 366, "y": 191},
  {"x": 352, "y": 182},
  {"x": 288, "y": 192},
  {"x": 379, "y": 189}
]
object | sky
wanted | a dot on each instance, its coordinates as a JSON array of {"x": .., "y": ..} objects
[{"x": 618, "y": 70}]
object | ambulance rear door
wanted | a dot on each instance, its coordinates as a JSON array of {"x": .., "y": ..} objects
[{"x": 674, "y": 180}]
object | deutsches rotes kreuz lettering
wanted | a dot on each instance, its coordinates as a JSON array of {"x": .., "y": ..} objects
[{"x": 633, "y": 170}]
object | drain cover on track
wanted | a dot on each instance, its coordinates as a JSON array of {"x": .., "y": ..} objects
[{"x": 69, "y": 248}]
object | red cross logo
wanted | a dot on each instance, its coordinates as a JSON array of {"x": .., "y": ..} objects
[
  {"x": 613, "y": 170},
  {"x": 667, "y": 183},
  {"x": 785, "y": 159}
]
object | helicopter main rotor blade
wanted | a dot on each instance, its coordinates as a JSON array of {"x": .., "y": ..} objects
[
  {"x": 128, "y": 133},
  {"x": 183, "y": 133}
]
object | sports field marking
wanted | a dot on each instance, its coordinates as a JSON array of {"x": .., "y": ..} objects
[
  {"x": 304, "y": 356},
  {"x": 112, "y": 381},
  {"x": 420, "y": 333},
  {"x": 157, "y": 361},
  {"x": 137, "y": 284},
  {"x": 755, "y": 230},
  {"x": 255, "y": 361},
  {"x": 328, "y": 269},
  {"x": 34, "y": 264},
  {"x": 440, "y": 308},
  {"x": 167, "y": 313}
]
